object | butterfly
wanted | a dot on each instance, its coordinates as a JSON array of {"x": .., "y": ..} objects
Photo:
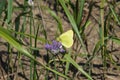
[{"x": 66, "y": 38}]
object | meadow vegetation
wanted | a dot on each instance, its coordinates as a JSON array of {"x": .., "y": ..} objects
[{"x": 59, "y": 40}]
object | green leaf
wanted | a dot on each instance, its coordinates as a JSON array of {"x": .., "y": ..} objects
[
  {"x": 9, "y": 11},
  {"x": 70, "y": 60},
  {"x": 2, "y": 6},
  {"x": 115, "y": 39},
  {"x": 6, "y": 35},
  {"x": 57, "y": 19},
  {"x": 79, "y": 11},
  {"x": 9, "y": 38},
  {"x": 114, "y": 14},
  {"x": 73, "y": 23}
]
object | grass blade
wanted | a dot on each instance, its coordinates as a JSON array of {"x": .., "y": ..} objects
[
  {"x": 73, "y": 23},
  {"x": 9, "y": 38},
  {"x": 69, "y": 59},
  {"x": 2, "y": 5},
  {"x": 6, "y": 35},
  {"x": 115, "y": 39},
  {"x": 114, "y": 14},
  {"x": 79, "y": 11},
  {"x": 57, "y": 19},
  {"x": 10, "y": 9}
]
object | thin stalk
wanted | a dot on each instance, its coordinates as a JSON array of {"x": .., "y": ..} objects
[
  {"x": 35, "y": 54},
  {"x": 32, "y": 62},
  {"x": 67, "y": 68},
  {"x": 79, "y": 11},
  {"x": 45, "y": 35},
  {"x": 8, "y": 20},
  {"x": 102, "y": 32},
  {"x": 9, "y": 11},
  {"x": 73, "y": 23},
  {"x": 55, "y": 67},
  {"x": 67, "y": 64}
]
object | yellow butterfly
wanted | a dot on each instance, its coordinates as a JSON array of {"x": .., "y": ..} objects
[{"x": 66, "y": 39}]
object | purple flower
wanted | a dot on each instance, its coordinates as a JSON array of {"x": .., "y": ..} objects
[{"x": 55, "y": 47}]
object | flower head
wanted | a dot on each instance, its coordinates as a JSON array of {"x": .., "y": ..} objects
[
  {"x": 30, "y": 2},
  {"x": 55, "y": 47}
]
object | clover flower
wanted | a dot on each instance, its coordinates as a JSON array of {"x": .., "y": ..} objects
[
  {"x": 30, "y": 2},
  {"x": 55, "y": 47}
]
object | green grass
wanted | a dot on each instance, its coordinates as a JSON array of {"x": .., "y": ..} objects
[{"x": 28, "y": 34}]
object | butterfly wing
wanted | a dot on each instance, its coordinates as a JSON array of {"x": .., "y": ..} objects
[{"x": 66, "y": 39}]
